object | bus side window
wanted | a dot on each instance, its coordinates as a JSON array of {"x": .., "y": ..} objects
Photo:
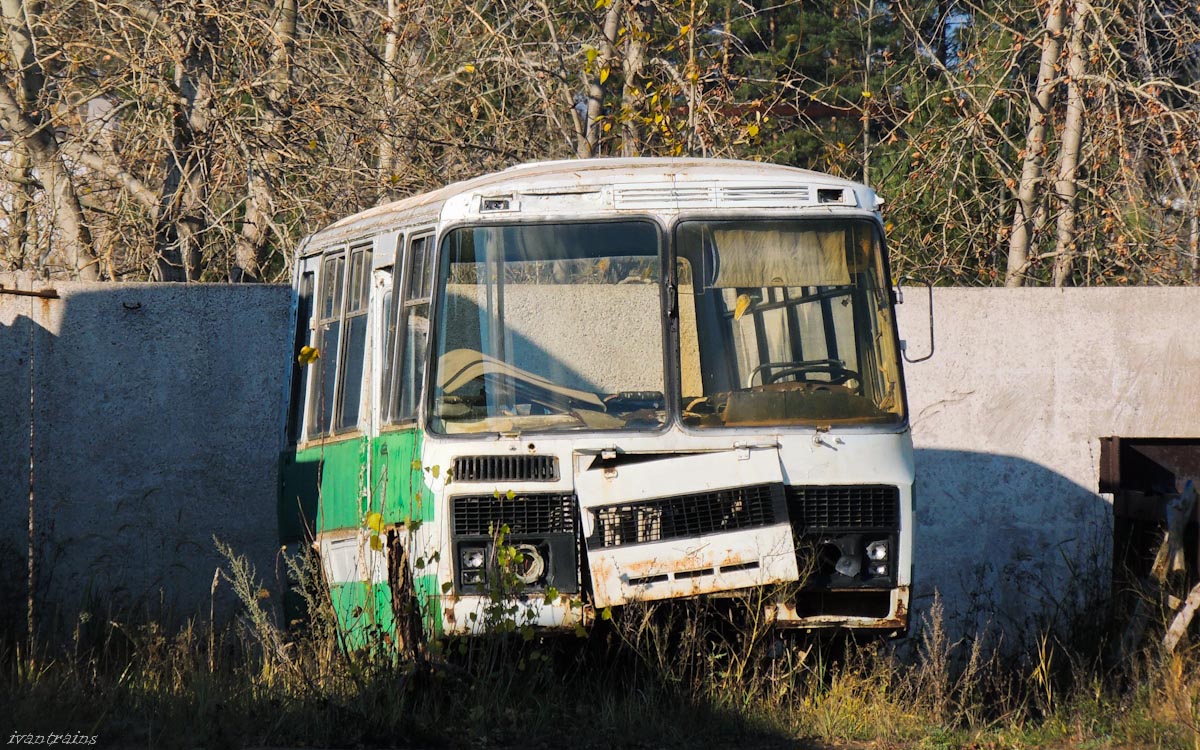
[
  {"x": 304, "y": 309},
  {"x": 350, "y": 360},
  {"x": 413, "y": 328},
  {"x": 328, "y": 338}
]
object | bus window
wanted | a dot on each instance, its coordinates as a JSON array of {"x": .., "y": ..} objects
[
  {"x": 785, "y": 325},
  {"x": 350, "y": 362},
  {"x": 329, "y": 326},
  {"x": 414, "y": 328},
  {"x": 304, "y": 305}
]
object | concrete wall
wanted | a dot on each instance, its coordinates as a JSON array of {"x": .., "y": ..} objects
[
  {"x": 1007, "y": 417},
  {"x": 156, "y": 409},
  {"x": 156, "y": 412}
]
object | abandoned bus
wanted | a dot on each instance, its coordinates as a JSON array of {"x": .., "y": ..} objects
[{"x": 600, "y": 382}]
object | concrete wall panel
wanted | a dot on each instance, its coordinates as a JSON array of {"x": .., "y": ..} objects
[
  {"x": 1007, "y": 417},
  {"x": 157, "y": 412}
]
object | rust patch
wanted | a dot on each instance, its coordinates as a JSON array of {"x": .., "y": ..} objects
[{"x": 448, "y": 616}]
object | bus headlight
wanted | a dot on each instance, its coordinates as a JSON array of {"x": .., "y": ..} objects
[
  {"x": 473, "y": 558},
  {"x": 877, "y": 551},
  {"x": 471, "y": 565},
  {"x": 531, "y": 566}
]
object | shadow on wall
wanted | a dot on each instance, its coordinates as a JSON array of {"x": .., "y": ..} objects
[
  {"x": 157, "y": 411},
  {"x": 1041, "y": 562},
  {"x": 20, "y": 337}
]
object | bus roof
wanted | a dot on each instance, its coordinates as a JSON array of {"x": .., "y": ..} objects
[{"x": 577, "y": 175}]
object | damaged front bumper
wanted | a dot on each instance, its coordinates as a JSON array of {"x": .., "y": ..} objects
[{"x": 667, "y": 526}]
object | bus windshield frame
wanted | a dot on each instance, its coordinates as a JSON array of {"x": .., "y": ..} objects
[
  {"x": 784, "y": 322},
  {"x": 549, "y": 327}
]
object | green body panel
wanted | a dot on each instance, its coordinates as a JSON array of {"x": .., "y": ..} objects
[
  {"x": 297, "y": 504},
  {"x": 338, "y": 502},
  {"x": 400, "y": 492},
  {"x": 323, "y": 488},
  {"x": 364, "y": 612}
]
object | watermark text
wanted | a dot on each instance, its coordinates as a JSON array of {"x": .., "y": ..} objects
[{"x": 52, "y": 739}]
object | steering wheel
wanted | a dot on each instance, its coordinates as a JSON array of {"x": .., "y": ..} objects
[{"x": 836, "y": 368}]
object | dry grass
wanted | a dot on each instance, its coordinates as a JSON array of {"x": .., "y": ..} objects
[{"x": 689, "y": 674}]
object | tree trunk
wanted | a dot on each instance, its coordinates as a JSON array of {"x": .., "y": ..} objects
[
  {"x": 640, "y": 19},
  {"x": 589, "y": 144},
  {"x": 18, "y": 219},
  {"x": 1035, "y": 144},
  {"x": 35, "y": 139},
  {"x": 1066, "y": 186},
  {"x": 183, "y": 199},
  {"x": 254, "y": 238}
]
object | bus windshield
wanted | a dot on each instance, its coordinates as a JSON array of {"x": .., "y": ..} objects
[
  {"x": 784, "y": 323},
  {"x": 549, "y": 327}
]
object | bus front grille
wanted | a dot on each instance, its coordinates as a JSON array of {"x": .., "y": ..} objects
[
  {"x": 485, "y": 515},
  {"x": 688, "y": 515},
  {"x": 506, "y": 469},
  {"x": 847, "y": 507}
]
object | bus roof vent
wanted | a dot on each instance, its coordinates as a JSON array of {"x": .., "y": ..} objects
[
  {"x": 705, "y": 196},
  {"x": 664, "y": 197},
  {"x": 783, "y": 196},
  {"x": 506, "y": 469}
]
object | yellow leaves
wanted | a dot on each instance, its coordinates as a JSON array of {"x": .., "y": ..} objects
[
  {"x": 603, "y": 74},
  {"x": 375, "y": 522},
  {"x": 434, "y": 471},
  {"x": 591, "y": 53},
  {"x": 468, "y": 68},
  {"x": 741, "y": 306},
  {"x": 866, "y": 94},
  {"x": 375, "y": 525},
  {"x": 510, "y": 494},
  {"x": 601, "y": 4},
  {"x": 308, "y": 355},
  {"x": 683, "y": 30},
  {"x": 752, "y": 129}
]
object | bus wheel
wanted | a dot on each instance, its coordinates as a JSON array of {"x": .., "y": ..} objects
[{"x": 406, "y": 612}]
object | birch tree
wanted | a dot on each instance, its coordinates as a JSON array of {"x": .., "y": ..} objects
[
  {"x": 1039, "y": 106},
  {"x": 25, "y": 113}
]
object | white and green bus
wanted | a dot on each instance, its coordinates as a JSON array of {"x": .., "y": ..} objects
[{"x": 620, "y": 380}]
